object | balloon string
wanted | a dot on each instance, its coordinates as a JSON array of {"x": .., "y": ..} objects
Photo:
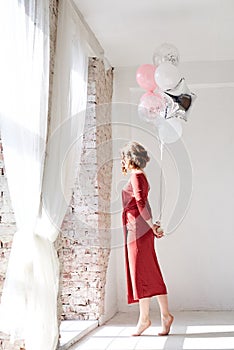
[{"x": 161, "y": 182}]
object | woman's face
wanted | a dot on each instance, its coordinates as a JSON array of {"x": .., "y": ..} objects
[{"x": 125, "y": 162}]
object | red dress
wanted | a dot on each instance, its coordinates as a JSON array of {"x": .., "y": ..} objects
[{"x": 144, "y": 277}]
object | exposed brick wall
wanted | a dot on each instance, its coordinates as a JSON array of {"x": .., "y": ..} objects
[
  {"x": 7, "y": 229},
  {"x": 85, "y": 237},
  {"x": 7, "y": 221}
]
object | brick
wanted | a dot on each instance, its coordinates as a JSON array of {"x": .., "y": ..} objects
[{"x": 89, "y": 253}]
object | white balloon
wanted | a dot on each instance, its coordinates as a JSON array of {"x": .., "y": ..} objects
[
  {"x": 166, "y": 53},
  {"x": 167, "y": 76},
  {"x": 159, "y": 121},
  {"x": 170, "y": 130}
]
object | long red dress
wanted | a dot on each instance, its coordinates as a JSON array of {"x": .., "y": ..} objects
[{"x": 144, "y": 277}]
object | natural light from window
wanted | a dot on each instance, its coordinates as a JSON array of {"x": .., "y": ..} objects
[{"x": 209, "y": 337}]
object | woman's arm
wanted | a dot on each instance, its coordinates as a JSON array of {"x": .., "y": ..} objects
[{"x": 140, "y": 192}]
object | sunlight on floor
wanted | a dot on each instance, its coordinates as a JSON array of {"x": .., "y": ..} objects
[
  {"x": 209, "y": 337},
  {"x": 209, "y": 343},
  {"x": 190, "y": 331},
  {"x": 210, "y": 329},
  {"x": 114, "y": 337},
  {"x": 119, "y": 337}
]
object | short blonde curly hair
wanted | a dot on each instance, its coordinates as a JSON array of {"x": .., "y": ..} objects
[{"x": 136, "y": 154}]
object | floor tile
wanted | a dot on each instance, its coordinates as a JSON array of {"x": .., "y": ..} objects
[{"x": 191, "y": 330}]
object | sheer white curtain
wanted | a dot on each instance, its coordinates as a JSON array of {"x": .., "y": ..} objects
[
  {"x": 39, "y": 192},
  {"x": 24, "y": 72},
  {"x": 63, "y": 149},
  {"x": 67, "y": 120}
]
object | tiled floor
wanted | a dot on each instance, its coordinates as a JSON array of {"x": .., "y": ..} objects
[
  {"x": 190, "y": 331},
  {"x": 72, "y": 331}
]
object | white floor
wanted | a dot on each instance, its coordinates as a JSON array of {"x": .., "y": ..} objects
[
  {"x": 195, "y": 330},
  {"x": 72, "y": 331}
]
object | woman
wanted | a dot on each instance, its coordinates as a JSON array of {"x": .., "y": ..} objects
[{"x": 144, "y": 278}]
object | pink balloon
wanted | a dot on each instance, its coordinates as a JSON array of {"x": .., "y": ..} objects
[
  {"x": 151, "y": 106},
  {"x": 145, "y": 77}
]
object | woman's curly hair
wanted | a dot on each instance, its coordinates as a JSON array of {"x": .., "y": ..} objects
[{"x": 136, "y": 154}]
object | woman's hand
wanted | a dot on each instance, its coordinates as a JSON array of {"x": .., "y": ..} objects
[{"x": 158, "y": 231}]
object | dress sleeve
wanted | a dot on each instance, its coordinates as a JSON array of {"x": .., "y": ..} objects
[{"x": 140, "y": 192}]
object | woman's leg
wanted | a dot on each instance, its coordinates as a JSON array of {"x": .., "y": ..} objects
[
  {"x": 166, "y": 317},
  {"x": 144, "y": 321},
  {"x": 144, "y": 304}
]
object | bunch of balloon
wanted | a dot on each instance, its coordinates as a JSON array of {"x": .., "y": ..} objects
[{"x": 168, "y": 99}]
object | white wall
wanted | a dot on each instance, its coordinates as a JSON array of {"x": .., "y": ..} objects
[
  {"x": 197, "y": 258},
  {"x": 111, "y": 300}
]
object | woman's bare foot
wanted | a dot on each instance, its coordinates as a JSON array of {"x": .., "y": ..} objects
[
  {"x": 141, "y": 327},
  {"x": 166, "y": 325}
]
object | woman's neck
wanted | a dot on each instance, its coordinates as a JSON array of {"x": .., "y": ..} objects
[{"x": 137, "y": 170}]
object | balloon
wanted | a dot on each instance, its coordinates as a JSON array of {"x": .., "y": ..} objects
[
  {"x": 169, "y": 130},
  {"x": 152, "y": 105},
  {"x": 166, "y": 53},
  {"x": 167, "y": 76},
  {"x": 183, "y": 100},
  {"x": 145, "y": 77}
]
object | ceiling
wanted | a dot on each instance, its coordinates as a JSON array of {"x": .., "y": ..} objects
[{"x": 130, "y": 30}]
